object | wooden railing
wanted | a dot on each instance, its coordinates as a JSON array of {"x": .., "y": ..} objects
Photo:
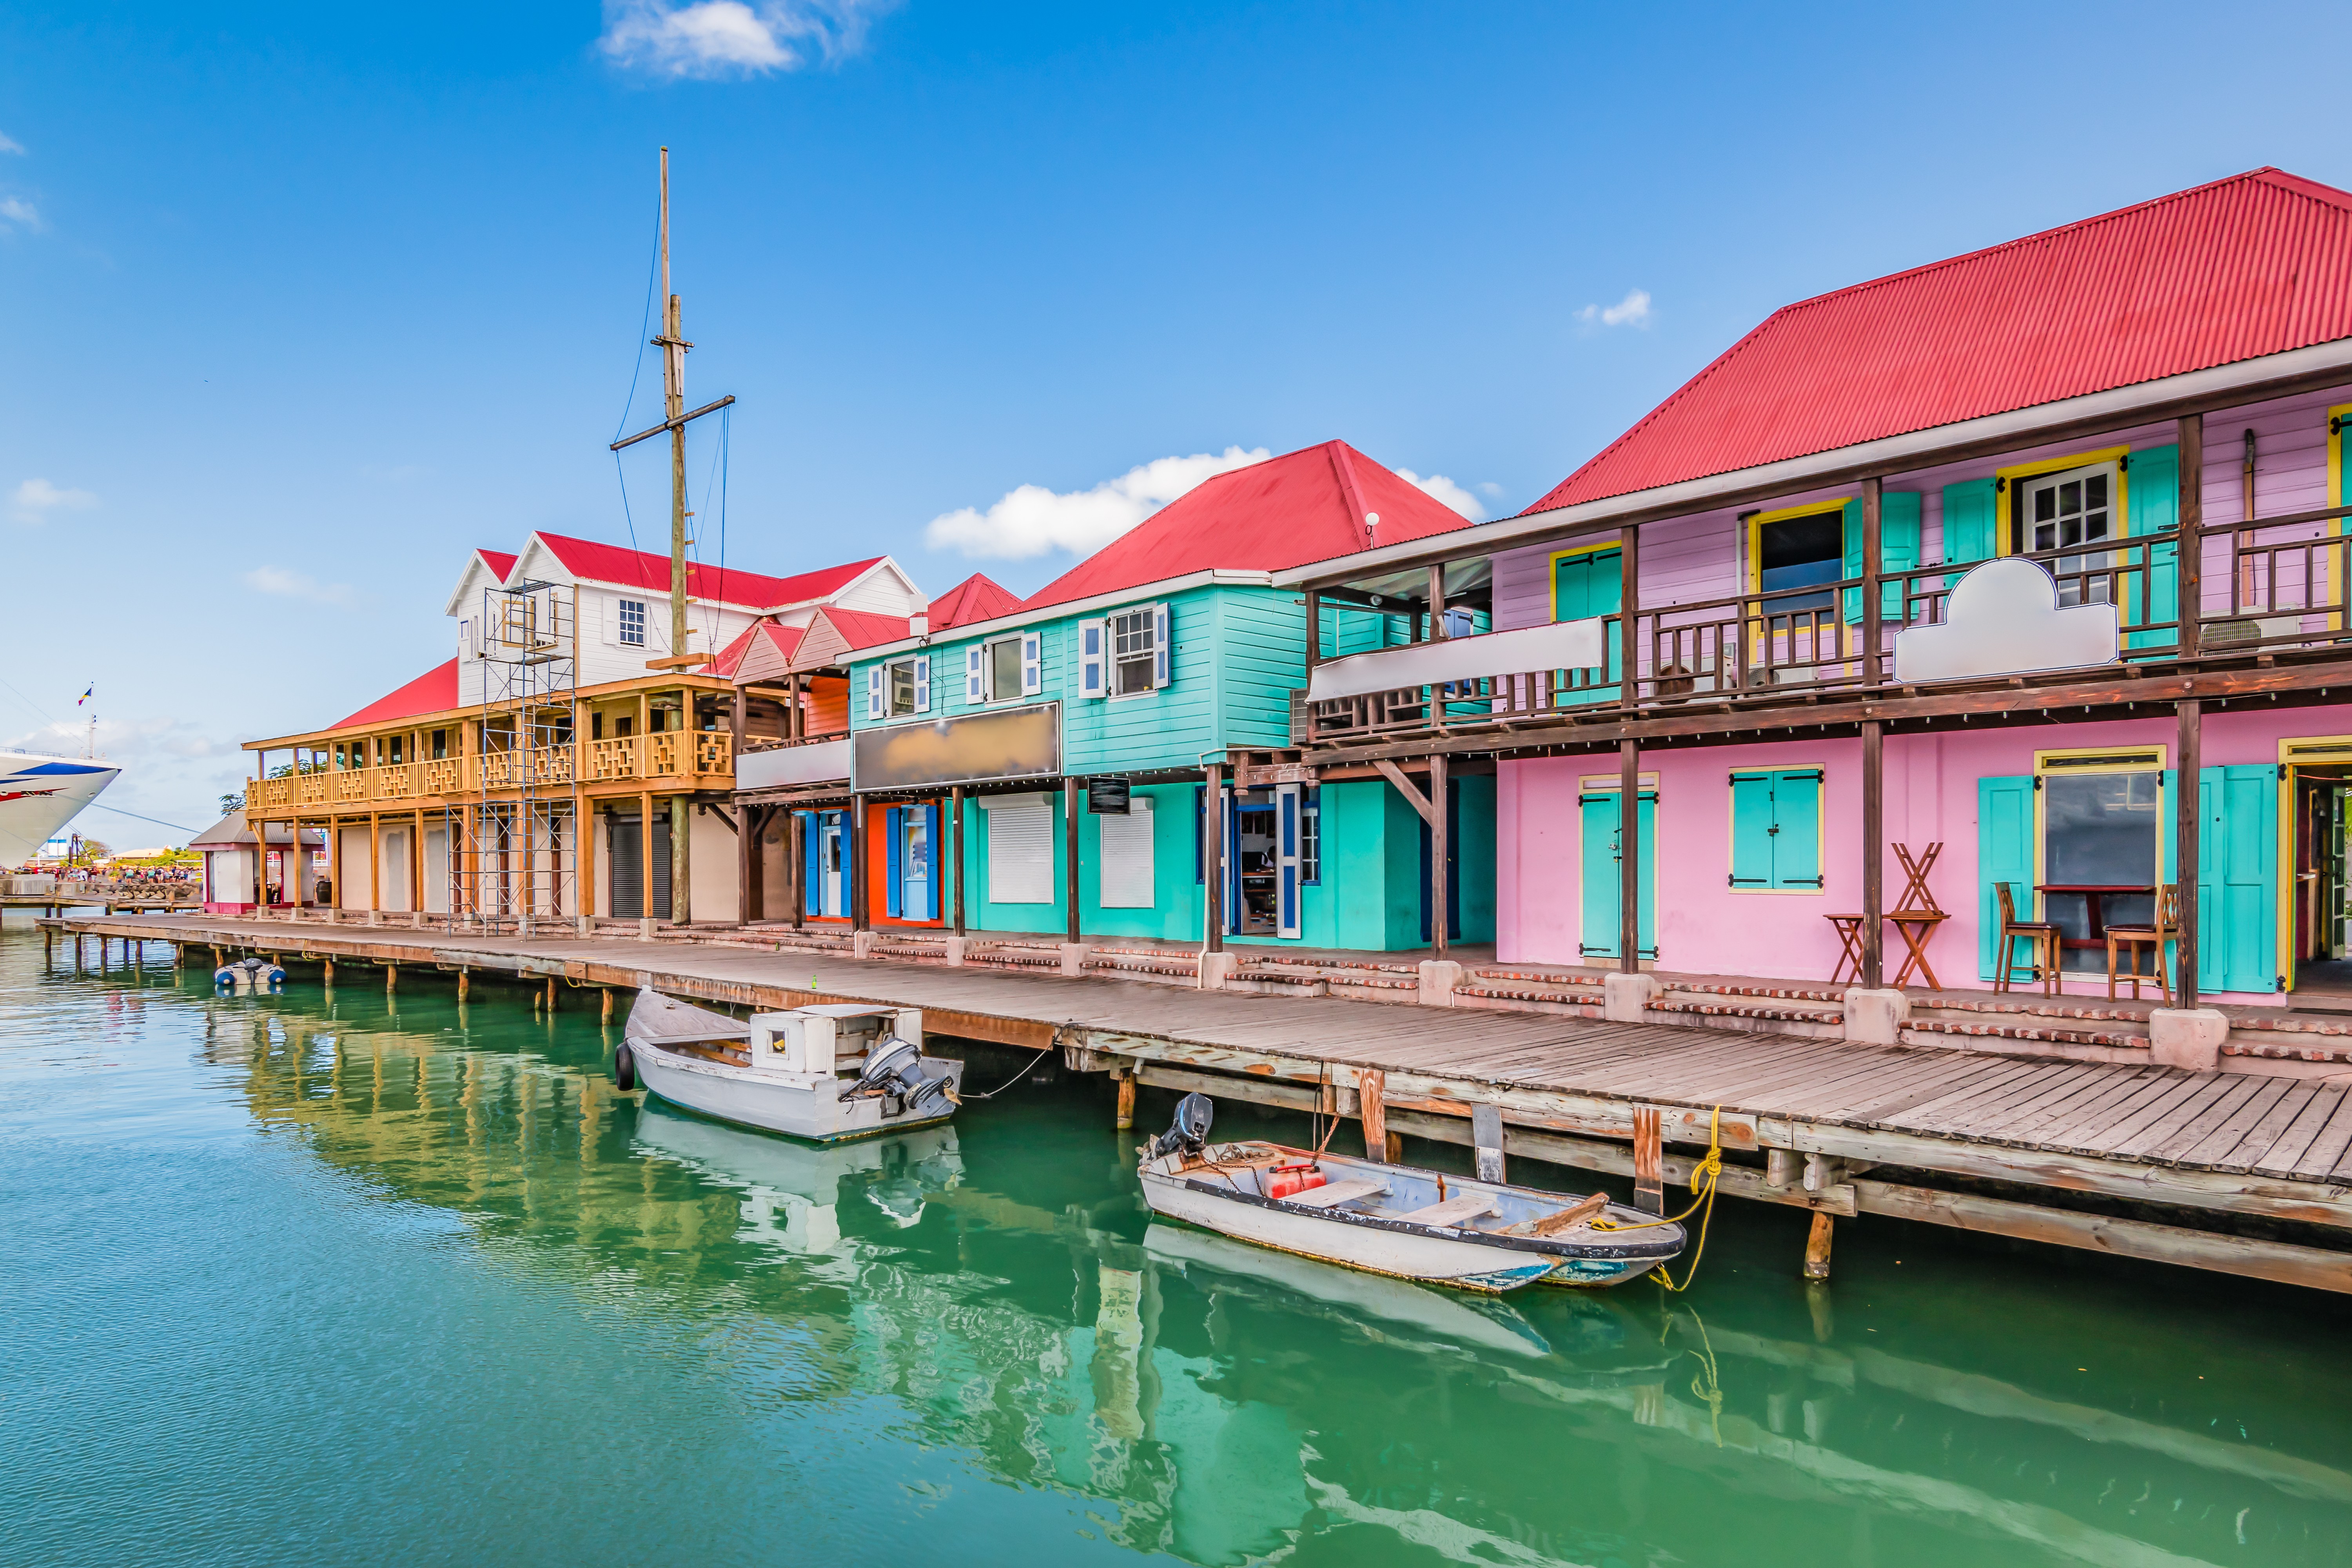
[{"x": 2267, "y": 586}]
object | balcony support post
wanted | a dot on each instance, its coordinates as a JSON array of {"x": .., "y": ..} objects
[
  {"x": 955, "y": 851},
  {"x": 853, "y": 825},
  {"x": 645, "y": 849},
  {"x": 1440, "y": 884},
  {"x": 2189, "y": 555},
  {"x": 1873, "y": 508},
  {"x": 1314, "y": 655},
  {"x": 793, "y": 726},
  {"x": 797, "y": 864},
  {"x": 1212, "y": 856},
  {"x": 2186, "y": 849},
  {"x": 375, "y": 868},
  {"x": 1628, "y": 570},
  {"x": 1629, "y": 850},
  {"x": 747, "y": 853},
  {"x": 1873, "y": 840},
  {"x": 681, "y": 818},
  {"x": 1070, "y": 852}
]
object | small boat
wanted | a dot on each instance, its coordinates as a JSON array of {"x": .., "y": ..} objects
[
  {"x": 824, "y": 1073},
  {"x": 1395, "y": 1219}
]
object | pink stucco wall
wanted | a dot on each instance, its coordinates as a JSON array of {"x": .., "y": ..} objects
[{"x": 1931, "y": 795}]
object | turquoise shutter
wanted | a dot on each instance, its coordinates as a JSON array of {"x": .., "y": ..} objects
[
  {"x": 2004, "y": 854},
  {"x": 1797, "y": 816},
  {"x": 1599, "y": 861},
  {"x": 1899, "y": 548},
  {"x": 1751, "y": 830},
  {"x": 1971, "y": 522},
  {"x": 2153, "y": 484},
  {"x": 894, "y": 880},
  {"x": 1645, "y": 886},
  {"x": 811, "y": 863}
]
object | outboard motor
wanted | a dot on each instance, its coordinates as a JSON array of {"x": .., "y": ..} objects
[
  {"x": 894, "y": 1069},
  {"x": 1189, "y": 1130},
  {"x": 248, "y": 975}
]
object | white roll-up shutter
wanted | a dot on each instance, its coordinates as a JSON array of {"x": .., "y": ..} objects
[
  {"x": 975, "y": 686},
  {"x": 1020, "y": 849},
  {"x": 1127, "y": 867}
]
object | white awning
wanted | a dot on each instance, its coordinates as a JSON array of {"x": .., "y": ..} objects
[{"x": 1563, "y": 645}]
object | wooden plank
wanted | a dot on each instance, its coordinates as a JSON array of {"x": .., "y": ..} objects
[
  {"x": 2146, "y": 1110},
  {"x": 2217, "y": 1143},
  {"x": 2092, "y": 1131},
  {"x": 1336, "y": 1193},
  {"x": 2212, "y": 1115},
  {"x": 1931, "y": 1116},
  {"x": 2175, "y": 1114},
  {"x": 1452, "y": 1211},
  {"x": 2087, "y": 1107},
  {"x": 2280, "y": 1161},
  {"x": 2030, "y": 1112},
  {"x": 1991, "y": 1118},
  {"x": 2260, "y": 1137},
  {"x": 1951, "y": 1077}
]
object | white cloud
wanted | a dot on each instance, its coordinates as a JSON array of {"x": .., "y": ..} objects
[
  {"x": 294, "y": 585},
  {"x": 22, "y": 214},
  {"x": 9, "y": 144},
  {"x": 1446, "y": 490},
  {"x": 1032, "y": 519},
  {"x": 1632, "y": 310},
  {"x": 731, "y": 37},
  {"x": 36, "y": 499}
]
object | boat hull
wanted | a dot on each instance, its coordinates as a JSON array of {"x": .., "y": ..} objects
[
  {"x": 799, "y": 1105},
  {"x": 39, "y": 794}
]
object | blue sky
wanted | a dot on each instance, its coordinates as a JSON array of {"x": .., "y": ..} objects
[{"x": 304, "y": 302}]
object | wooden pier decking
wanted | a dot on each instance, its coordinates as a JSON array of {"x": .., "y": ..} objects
[{"x": 2244, "y": 1173}]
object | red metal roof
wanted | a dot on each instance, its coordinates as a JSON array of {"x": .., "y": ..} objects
[
  {"x": 498, "y": 561},
  {"x": 2256, "y": 264},
  {"x": 435, "y": 691},
  {"x": 783, "y": 639},
  {"x": 976, "y": 598},
  {"x": 863, "y": 628},
  {"x": 733, "y": 586},
  {"x": 1302, "y": 507}
]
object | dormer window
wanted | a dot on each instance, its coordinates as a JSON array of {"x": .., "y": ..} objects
[{"x": 633, "y": 622}]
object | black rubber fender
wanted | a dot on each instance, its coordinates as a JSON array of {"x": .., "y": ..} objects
[{"x": 624, "y": 1067}]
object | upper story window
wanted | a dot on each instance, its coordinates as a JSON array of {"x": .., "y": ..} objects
[
  {"x": 1132, "y": 650},
  {"x": 1001, "y": 661},
  {"x": 633, "y": 622},
  {"x": 1003, "y": 668},
  {"x": 1799, "y": 551},
  {"x": 899, "y": 688},
  {"x": 440, "y": 744},
  {"x": 1124, "y": 654},
  {"x": 2061, "y": 511}
]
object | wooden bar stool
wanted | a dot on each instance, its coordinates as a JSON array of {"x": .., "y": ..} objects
[
  {"x": 2166, "y": 927},
  {"x": 2042, "y": 937},
  {"x": 1849, "y": 963}
]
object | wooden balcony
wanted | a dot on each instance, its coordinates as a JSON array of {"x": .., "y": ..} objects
[{"x": 708, "y": 754}]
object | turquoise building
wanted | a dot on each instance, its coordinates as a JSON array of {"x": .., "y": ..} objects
[{"x": 1166, "y": 655}]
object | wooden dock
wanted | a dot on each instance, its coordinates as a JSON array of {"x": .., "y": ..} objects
[{"x": 2241, "y": 1174}]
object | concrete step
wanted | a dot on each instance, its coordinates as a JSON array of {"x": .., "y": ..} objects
[
  {"x": 2036, "y": 1032},
  {"x": 1276, "y": 980},
  {"x": 1724, "y": 1006},
  {"x": 1006, "y": 957}
]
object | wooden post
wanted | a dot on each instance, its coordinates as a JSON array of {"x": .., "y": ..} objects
[
  {"x": 1628, "y": 582},
  {"x": 1486, "y": 1141},
  {"x": 1436, "y": 602},
  {"x": 1372, "y": 1085},
  {"x": 1649, "y": 1162},
  {"x": 955, "y": 850},
  {"x": 1440, "y": 883},
  {"x": 1070, "y": 851},
  {"x": 795, "y": 724},
  {"x": 853, "y": 822},
  {"x": 1874, "y": 852},
  {"x": 376, "y": 866},
  {"x": 584, "y": 900},
  {"x": 1874, "y": 511},
  {"x": 1126, "y": 1117},
  {"x": 1629, "y": 856},
  {"x": 550, "y": 993},
  {"x": 607, "y": 1012},
  {"x": 2190, "y": 554},
  {"x": 1817, "y": 1246},
  {"x": 390, "y": 977},
  {"x": 417, "y": 860},
  {"x": 462, "y": 978},
  {"x": 796, "y": 863},
  {"x": 2187, "y": 778},
  {"x": 327, "y": 970},
  {"x": 646, "y": 849},
  {"x": 1314, "y": 652},
  {"x": 1212, "y": 854},
  {"x": 747, "y": 856}
]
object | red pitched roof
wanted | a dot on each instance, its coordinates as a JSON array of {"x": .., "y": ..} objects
[
  {"x": 974, "y": 599},
  {"x": 499, "y": 562},
  {"x": 435, "y": 691},
  {"x": 783, "y": 638},
  {"x": 863, "y": 628},
  {"x": 1302, "y": 507},
  {"x": 641, "y": 569},
  {"x": 2256, "y": 264}
]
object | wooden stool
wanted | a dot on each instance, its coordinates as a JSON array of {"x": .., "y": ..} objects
[
  {"x": 2042, "y": 936},
  {"x": 1849, "y": 963},
  {"x": 2166, "y": 927},
  {"x": 1916, "y": 927}
]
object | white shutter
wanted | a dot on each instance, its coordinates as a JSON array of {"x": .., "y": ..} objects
[
  {"x": 1020, "y": 849},
  {"x": 975, "y": 685},
  {"x": 922, "y": 683},
  {"x": 1160, "y": 645},
  {"x": 610, "y": 617},
  {"x": 1127, "y": 879},
  {"x": 1090, "y": 658},
  {"x": 466, "y": 649},
  {"x": 1032, "y": 665},
  {"x": 874, "y": 674}
]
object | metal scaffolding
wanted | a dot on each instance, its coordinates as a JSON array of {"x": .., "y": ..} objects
[{"x": 513, "y": 850}]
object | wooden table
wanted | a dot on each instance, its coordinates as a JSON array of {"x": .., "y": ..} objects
[
  {"x": 2094, "y": 896},
  {"x": 1917, "y": 928}
]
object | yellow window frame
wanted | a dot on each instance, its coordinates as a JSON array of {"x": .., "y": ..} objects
[
  {"x": 1551, "y": 569},
  {"x": 2295, "y": 753},
  {"x": 2126, "y": 759},
  {"x": 1757, "y": 523}
]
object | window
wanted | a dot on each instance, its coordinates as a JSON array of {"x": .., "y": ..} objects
[
  {"x": 1311, "y": 836},
  {"x": 1799, "y": 551},
  {"x": 1001, "y": 670},
  {"x": 1776, "y": 830},
  {"x": 902, "y": 686},
  {"x": 440, "y": 744},
  {"x": 2064, "y": 510},
  {"x": 1133, "y": 652},
  {"x": 633, "y": 622}
]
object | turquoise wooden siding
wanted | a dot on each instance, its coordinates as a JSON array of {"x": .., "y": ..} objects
[
  {"x": 981, "y": 913},
  {"x": 2004, "y": 854},
  {"x": 1603, "y": 882},
  {"x": 2152, "y": 484},
  {"x": 2237, "y": 874},
  {"x": 1776, "y": 830},
  {"x": 1971, "y": 514},
  {"x": 1899, "y": 548}
]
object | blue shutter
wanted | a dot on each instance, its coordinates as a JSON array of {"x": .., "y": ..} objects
[
  {"x": 1032, "y": 664},
  {"x": 811, "y": 863},
  {"x": 1971, "y": 518},
  {"x": 894, "y": 837},
  {"x": 1751, "y": 830},
  {"x": 873, "y": 701},
  {"x": 2004, "y": 854},
  {"x": 1797, "y": 821},
  {"x": 2153, "y": 485}
]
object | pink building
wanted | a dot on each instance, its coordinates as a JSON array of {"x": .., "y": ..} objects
[{"x": 2126, "y": 436}]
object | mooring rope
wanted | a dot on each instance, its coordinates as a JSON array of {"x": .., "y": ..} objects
[{"x": 1703, "y": 1183}]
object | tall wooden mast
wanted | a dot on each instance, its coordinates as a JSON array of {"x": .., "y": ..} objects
[{"x": 674, "y": 347}]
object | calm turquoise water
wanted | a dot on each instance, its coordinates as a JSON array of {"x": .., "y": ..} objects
[{"x": 302, "y": 1279}]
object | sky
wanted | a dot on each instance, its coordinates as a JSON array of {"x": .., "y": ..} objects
[{"x": 304, "y": 303}]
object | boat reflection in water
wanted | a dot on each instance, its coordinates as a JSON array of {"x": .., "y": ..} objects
[{"x": 995, "y": 1292}]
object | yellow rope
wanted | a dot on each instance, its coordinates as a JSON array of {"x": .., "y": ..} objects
[{"x": 1702, "y": 1185}]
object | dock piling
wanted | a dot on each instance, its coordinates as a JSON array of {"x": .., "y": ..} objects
[
  {"x": 462, "y": 978},
  {"x": 608, "y": 1004},
  {"x": 1817, "y": 1246},
  {"x": 1126, "y": 1081},
  {"x": 1372, "y": 1084},
  {"x": 1649, "y": 1162},
  {"x": 1485, "y": 1139},
  {"x": 390, "y": 977}
]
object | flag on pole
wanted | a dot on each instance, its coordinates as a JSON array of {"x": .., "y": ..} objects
[{"x": 85, "y": 693}]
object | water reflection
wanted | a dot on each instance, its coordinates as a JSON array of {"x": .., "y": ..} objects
[{"x": 1000, "y": 1286}]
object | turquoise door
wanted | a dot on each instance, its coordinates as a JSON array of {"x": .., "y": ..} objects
[
  {"x": 1604, "y": 880},
  {"x": 2237, "y": 875},
  {"x": 2004, "y": 854},
  {"x": 1588, "y": 584}
]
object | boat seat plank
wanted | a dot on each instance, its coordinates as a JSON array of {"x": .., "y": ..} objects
[
  {"x": 1452, "y": 1211},
  {"x": 1334, "y": 1194}
]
